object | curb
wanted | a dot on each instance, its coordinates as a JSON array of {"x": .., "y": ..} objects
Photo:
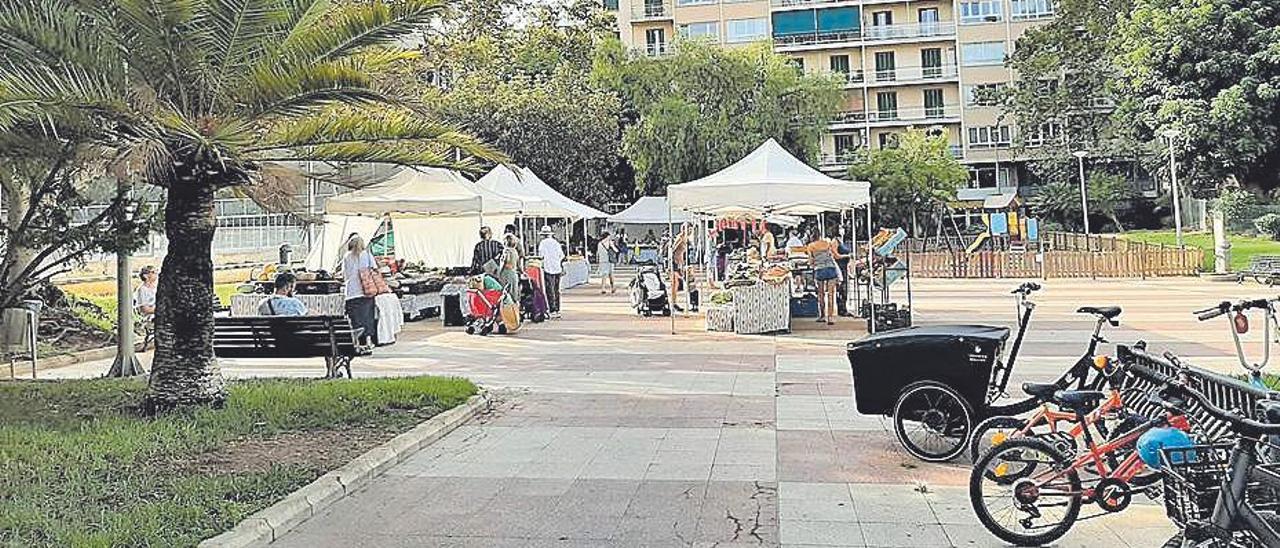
[
  {"x": 61, "y": 360},
  {"x": 274, "y": 521}
]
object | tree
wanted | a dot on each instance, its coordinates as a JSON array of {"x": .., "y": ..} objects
[
  {"x": 1208, "y": 68},
  {"x": 1059, "y": 203},
  {"x": 44, "y": 182},
  {"x": 705, "y": 107},
  {"x": 527, "y": 89},
  {"x": 918, "y": 175},
  {"x": 1108, "y": 195},
  {"x": 213, "y": 95}
]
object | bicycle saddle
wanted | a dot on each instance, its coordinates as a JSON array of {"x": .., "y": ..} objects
[
  {"x": 1039, "y": 390},
  {"x": 1108, "y": 312},
  {"x": 1079, "y": 400}
]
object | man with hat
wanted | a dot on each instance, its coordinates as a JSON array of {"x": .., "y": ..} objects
[{"x": 552, "y": 268}]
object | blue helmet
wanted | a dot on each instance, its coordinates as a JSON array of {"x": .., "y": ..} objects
[{"x": 1150, "y": 444}]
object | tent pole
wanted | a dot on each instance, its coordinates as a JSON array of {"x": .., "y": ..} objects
[
  {"x": 871, "y": 301},
  {"x": 671, "y": 263}
]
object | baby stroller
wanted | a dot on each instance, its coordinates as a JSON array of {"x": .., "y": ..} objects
[
  {"x": 533, "y": 298},
  {"x": 649, "y": 292},
  {"x": 490, "y": 310}
]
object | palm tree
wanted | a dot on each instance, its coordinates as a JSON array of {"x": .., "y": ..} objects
[{"x": 210, "y": 95}]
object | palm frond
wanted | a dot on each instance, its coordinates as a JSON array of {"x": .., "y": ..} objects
[
  {"x": 54, "y": 32},
  {"x": 32, "y": 93},
  {"x": 163, "y": 44},
  {"x": 404, "y": 154},
  {"x": 279, "y": 90},
  {"x": 302, "y": 14},
  {"x": 354, "y": 26},
  {"x": 235, "y": 33}
]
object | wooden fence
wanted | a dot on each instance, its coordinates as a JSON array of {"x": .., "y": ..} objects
[{"x": 1063, "y": 257}]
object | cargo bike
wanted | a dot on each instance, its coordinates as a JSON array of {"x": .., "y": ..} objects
[{"x": 939, "y": 382}]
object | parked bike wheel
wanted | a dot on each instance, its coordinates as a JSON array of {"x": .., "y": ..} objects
[
  {"x": 1032, "y": 510},
  {"x": 992, "y": 431},
  {"x": 932, "y": 421}
]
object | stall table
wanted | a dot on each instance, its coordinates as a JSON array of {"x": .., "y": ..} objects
[
  {"x": 763, "y": 307},
  {"x": 576, "y": 272},
  {"x": 332, "y": 304}
]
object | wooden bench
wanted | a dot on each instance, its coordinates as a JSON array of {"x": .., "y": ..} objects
[
  {"x": 328, "y": 337},
  {"x": 1264, "y": 269}
]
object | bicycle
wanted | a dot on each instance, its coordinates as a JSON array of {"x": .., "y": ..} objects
[
  {"x": 1037, "y": 478},
  {"x": 1221, "y": 495}
]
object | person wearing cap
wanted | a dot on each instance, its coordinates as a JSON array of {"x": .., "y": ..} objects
[
  {"x": 144, "y": 298},
  {"x": 282, "y": 302},
  {"x": 552, "y": 254}
]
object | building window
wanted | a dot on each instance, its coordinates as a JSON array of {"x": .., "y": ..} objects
[
  {"x": 798, "y": 63},
  {"x": 611, "y": 5},
  {"x": 983, "y": 95},
  {"x": 745, "y": 30},
  {"x": 694, "y": 2},
  {"x": 990, "y": 137},
  {"x": 882, "y": 18},
  {"x": 655, "y": 41},
  {"x": 886, "y": 66},
  {"x": 887, "y": 105},
  {"x": 980, "y": 11},
  {"x": 1048, "y": 132},
  {"x": 982, "y": 53},
  {"x": 986, "y": 177},
  {"x": 1032, "y": 9},
  {"x": 888, "y": 140},
  {"x": 847, "y": 143},
  {"x": 708, "y": 29},
  {"x": 931, "y": 62},
  {"x": 933, "y": 105},
  {"x": 840, "y": 64}
]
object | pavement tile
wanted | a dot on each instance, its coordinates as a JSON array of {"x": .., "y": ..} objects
[
  {"x": 820, "y": 533},
  {"x": 903, "y": 535}
]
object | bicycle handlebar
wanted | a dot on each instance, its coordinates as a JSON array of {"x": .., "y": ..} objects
[
  {"x": 1226, "y": 306},
  {"x": 1026, "y": 288}
]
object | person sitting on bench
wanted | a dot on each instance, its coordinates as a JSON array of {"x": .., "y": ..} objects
[
  {"x": 144, "y": 298},
  {"x": 282, "y": 302}
]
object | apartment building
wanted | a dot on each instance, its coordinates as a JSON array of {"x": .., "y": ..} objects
[{"x": 904, "y": 64}]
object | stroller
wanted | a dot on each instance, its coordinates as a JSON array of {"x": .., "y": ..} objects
[
  {"x": 533, "y": 298},
  {"x": 490, "y": 310},
  {"x": 649, "y": 292}
]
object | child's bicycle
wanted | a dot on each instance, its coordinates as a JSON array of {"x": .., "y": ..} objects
[{"x": 1028, "y": 492}]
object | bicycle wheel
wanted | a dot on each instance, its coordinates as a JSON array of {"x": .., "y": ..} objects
[
  {"x": 1032, "y": 510},
  {"x": 992, "y": 431},
  {"x": 932, "y": 421}
]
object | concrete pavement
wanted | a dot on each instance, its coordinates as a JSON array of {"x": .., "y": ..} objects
[{"x": 610, "y": 431}]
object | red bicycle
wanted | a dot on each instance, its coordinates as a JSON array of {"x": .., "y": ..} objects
[{"x": 1029, "y": 492}]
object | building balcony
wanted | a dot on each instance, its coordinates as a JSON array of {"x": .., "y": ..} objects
[
  {"x": 913, "y": 116},
  {"x": 803, "y": 3},
  {"x": 882, "y": 33},
  {"x": 848, "y": 118},
  {"x": 852, "y": 78},
  {"x": 913, "y": 75},
  {"x": 651, "y": 11},
  {"x": 829, "y": 160},
  {"x": 660, "y": 49},
  {"x": 957, "y": 151}
]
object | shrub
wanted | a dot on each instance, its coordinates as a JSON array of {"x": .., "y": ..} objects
[{"x": 1268, "y": 225}]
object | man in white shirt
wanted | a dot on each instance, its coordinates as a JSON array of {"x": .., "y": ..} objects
[
  {"x": 552, "y": 269},
  {"x": 794, "y": 240}
]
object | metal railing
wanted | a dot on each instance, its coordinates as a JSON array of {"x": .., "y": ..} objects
[
  {"x": 850, "y": 117},
  {"x": 655, "y": 50},
  {"x": 648, "y": 10},
  {"x": 913, "y": 114},
  {"x": 914, "y": 74},
  {"x": 957, "y": 151},
  {"x": 793, "y": 3},
  {"x": 869, "y": 34}
]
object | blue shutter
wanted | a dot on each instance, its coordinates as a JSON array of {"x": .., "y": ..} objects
[
  {"x": 838, "y": 19},
  {"x": 793, "y": 22}
]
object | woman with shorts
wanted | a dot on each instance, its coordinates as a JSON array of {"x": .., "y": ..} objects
[
  {"x": 823, "y": 256},
  {"x": 606, "y": 250}
]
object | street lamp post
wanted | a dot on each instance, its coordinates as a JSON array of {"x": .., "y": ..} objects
[
  {"x": 1084, "y": 201},
  {"x": 1171, "y": 134}
]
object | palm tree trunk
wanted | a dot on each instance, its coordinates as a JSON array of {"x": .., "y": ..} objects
[{"x": 184, "y": 370}]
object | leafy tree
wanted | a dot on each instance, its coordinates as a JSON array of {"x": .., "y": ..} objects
[
  {"x": 1108, "y": 195},
  {"x": 705, "y": 107},
  {"x": 1059, "y": 203},
  {"x": 918, "y": 176},
  {"x": 527, "y": 89},
  {"x": 211, "y": 95},
  {"x": 44, "y": 182},
  {"x": 1210, "y": 69}
]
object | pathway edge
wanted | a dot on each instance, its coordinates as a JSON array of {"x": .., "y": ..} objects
[{"x": 272, "y": 522}]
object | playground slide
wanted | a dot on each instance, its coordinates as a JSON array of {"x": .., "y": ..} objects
[{"x": 977, "y": 242}]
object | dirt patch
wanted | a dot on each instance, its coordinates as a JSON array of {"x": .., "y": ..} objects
[{"x": 324, "y": 450}]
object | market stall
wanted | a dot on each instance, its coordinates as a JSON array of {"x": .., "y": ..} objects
[
  {"x": 767, "y": 182},
  {"x": 546, "y": 204}
]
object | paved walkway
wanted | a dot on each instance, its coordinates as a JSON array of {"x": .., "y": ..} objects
[{"x": 612, "y": 432}]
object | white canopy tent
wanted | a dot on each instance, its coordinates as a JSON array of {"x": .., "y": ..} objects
[
  {"x": 649, "y": 210},
  {"x": 437, "y": 213},
  {"x": 527, "y": 186},
  {"x": 769, "y": 180}
]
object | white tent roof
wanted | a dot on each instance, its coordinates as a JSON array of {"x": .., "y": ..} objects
[
  {"x": 649, "y": 210},
  {"x": 769, "y": 180},
  {"x": 541, "y": 200},
  {"x": 422, "y": 191}
]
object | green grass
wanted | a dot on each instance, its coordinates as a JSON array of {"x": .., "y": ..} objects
[
  {"x": 1242, "y": 247},
  {"x": 79, "y": 466},
  {"x": 105, "y": 300}
]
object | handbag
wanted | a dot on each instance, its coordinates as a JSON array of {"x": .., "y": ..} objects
[{"x": 372, "y": 284}]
